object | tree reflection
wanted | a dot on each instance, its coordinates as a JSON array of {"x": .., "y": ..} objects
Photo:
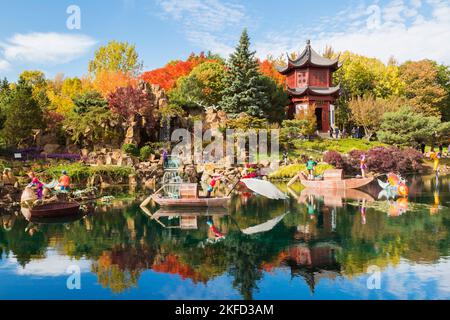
[{"x": 340, "y": 241}]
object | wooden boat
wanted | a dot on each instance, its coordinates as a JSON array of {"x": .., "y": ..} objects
[
  {"x": 184, "y": 195},
  {"x": 332, "y": 179},
  {"x": 192, "y": 202},
  {"x": 54, "y": 210}
]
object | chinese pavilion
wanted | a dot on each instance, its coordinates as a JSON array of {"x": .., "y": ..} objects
[{"x": 309, "y": 82}]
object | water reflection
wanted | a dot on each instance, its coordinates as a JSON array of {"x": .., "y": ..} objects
[{"x": 317, "y": 237}]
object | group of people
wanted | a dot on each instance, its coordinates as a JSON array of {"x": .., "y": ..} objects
[
  {"x": 336, "y": 133},
  {"x": 63, "y": 184}
]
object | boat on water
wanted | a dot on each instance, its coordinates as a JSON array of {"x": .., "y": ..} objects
[
  {"x": 332, "y": 179},
  {"x": 55, "y": 210},
  {"x": 184, "y": 195}
]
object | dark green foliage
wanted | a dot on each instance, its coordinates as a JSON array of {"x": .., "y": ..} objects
[
  {"x": 89, "y": 100},
  {"x": 130, "y": 149},
  {"x": 22, "y": 114},
  {"x": 244, "y": 86},
  {"x": 98, "y": 125},
  {"x": 408, "y": 128}
]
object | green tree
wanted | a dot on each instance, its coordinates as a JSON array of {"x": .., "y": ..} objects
[
  {"x": 98, "y": 125},
  {"x": 244, "y": 89},
  {"x": 37, "y": 81},
  {"x": 23, "y": 114},
  {"x": 116, "y": 56},
  {"x": 406, "y": 127},
  {"x": 275, "y": 111},
  {"x": 88, "y": 100},
  {"x": 201, "y": 88},
  {"x": 5, "y": 94}
]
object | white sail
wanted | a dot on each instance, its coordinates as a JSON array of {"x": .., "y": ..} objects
[
  {"x": 264, "y": 188},
  {"x": 264, "y": 227}
]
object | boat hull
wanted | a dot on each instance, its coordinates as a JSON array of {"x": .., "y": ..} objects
[
  {"x": 55, "y": 210},
  {"x": 194, "y": 202},
  {"x": 336, "y": 184}
]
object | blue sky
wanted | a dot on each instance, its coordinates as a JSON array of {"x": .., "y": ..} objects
[{"x": 34, "y": 35}]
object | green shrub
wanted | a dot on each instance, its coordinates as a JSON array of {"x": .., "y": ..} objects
[
  {"x": 130, "y": 149},
  {"x": 145, "y": 153},
  {"x": 80, "y": 173},
  {"x": 290, "y": 171},
  {"x": 341, "y": 145}
]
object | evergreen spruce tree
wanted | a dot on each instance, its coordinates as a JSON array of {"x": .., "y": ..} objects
[
  {"x": 23, "y": 114},
  {"x": 244, "y": 89}
]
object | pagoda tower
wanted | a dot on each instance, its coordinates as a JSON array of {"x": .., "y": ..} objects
[{"x": 309, "y": 82}]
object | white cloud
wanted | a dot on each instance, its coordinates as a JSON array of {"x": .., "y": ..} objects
[
  {"x": 46, "y": 48},
  {"x": 53, "y": 265},
  {"x": 4, "y": 65},
  {"x": 206, "y": 23},
  {"x": 404, "y": 30}
]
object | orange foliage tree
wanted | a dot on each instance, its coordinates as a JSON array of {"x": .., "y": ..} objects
[
  {"x": 167, "y": 76},
  {"x": 107, "y": 82},
  {"x": 267, "y": 67}
]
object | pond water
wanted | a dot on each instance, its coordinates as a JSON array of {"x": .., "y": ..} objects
[{"x": 314, "y": 246}]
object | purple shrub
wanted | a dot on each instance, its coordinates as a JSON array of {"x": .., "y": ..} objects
[
  {"x": 335, "y": 159},
  {"x": 382, "y": 160},
  {"x": 352, "y": 162}
]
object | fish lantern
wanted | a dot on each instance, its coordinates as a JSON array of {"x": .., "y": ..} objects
[
  {"x": 393, "y": 179},
  {"x": 403, "y": 190}
]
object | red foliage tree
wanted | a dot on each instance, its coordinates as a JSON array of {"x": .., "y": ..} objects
[
  {"x": 167, "y": 76},
  {"x": 267, "y": 68},
  {"x": 129, "y": 101}
]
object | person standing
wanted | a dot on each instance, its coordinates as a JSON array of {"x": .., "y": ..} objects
[
  {"x": 165, "y": 156},
  {"x": 285, "y": 157},
  {"x": 37, "y": 185},
  {"x": 435, "y": 157},
  {"x": 212, "y": 185},
  {"x": 310, "y": 166},
  {"x": 363, "y": 165},
  {"x": 422, "y": 147},
  {"x": 336, "y": 132},
  {"x": 331, "y": 132}
]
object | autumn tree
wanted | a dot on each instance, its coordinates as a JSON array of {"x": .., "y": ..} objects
[
  {"x": 368, "y": 111},
  {"x": 129, "y": 101},
  {"x": 425, "y": 89},
  {"x": 244, "y": 90},
  {"x": 168, "y": 76},
  {"x": 267, "y": 67},
  {"x": 116, "y": 56},
  {"x": 107, "y": 82},
  {"x": 62, "y": 93},
  {"x": 135, "y": 108}
]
